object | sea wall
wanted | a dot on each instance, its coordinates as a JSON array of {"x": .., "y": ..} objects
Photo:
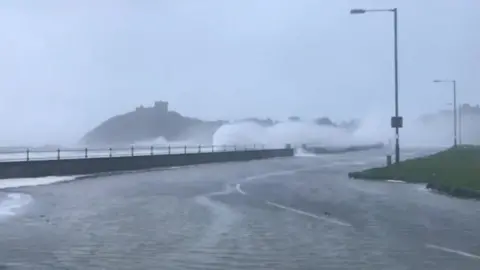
[{"x": 40, "y": 168}]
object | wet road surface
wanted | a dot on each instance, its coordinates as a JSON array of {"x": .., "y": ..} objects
[{"x": 288, "y": 213}]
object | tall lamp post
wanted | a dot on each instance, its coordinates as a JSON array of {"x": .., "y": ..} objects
[
  {"x": 460, "y": 116},
  {"x": 396, "y": 121},
  {"x": 454, "y": 84}
]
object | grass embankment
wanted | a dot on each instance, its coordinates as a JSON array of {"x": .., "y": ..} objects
[{"x": 455, "y": 171}]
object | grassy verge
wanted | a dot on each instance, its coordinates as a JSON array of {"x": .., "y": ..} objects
[{"x": 455, "y": 171}]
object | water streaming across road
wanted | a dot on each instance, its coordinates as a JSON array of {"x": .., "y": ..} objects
[{"x": 287, "y": 213}]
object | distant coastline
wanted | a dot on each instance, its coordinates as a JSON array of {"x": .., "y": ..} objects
[{"x": 158, "y": 121}]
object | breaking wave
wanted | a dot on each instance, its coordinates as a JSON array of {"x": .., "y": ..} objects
[{"x": 295, "y": 133}]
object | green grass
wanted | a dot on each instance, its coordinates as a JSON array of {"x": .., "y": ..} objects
[{"x": 456, "y": 168}]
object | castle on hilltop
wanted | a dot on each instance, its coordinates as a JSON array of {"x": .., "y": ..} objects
[{"x": 160, "y": 106}]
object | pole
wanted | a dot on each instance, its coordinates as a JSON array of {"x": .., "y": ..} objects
[
  {"x": 454, "y": 113},
  {"x": 397, "y": 136},
  {"x": 460, "y": 115}
]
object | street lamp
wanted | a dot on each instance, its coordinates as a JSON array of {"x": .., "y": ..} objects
[
  {"x": 357, "y": 11},
  {"x": 454, "y": 83},
  {"x": 460, "y": 117},
  {"x": 459, "y": 120},
  {"x": 396, "y": 121}
]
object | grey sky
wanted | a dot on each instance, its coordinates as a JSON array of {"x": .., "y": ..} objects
[{"x": 68, "y": 65}]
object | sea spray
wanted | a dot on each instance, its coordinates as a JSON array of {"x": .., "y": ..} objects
[{"x": 278, "y": 135}]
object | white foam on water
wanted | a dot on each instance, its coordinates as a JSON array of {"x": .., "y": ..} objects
[
  {"x": 453, "y": 251},
  {"x": 239, "y": 189},
  {"x": 39, "y": 181},
  {"x": 372, "y": 127},
  {"x": 280, "y": 134},
  {"x": 299, "y": 152},
  {"x": 13, "y": 202},
  {"x": 395, "y": 181},
  {"x": 270, "y": 174}
]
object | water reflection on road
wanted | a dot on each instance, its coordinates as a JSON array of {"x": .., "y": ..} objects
[{"x": 289, "y": 213}]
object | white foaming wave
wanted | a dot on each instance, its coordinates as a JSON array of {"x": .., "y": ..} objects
[
  {"x": 13, "y": 202},
  {"x": 240, "y": 134},
  {"x": 374, "y": 127},
  {"x": 300, "y": 152},
  {"x": 278, "y": 135},
  {"x": 396, "y": 181},
  {"x": 39, "y": 181}
]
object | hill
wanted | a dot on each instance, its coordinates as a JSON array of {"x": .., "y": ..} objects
[{"x": 148, "y": 124}]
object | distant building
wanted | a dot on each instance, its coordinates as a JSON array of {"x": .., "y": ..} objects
[
  {"x": 294, "y": 118},
  {"x": 161, "y": 106}
]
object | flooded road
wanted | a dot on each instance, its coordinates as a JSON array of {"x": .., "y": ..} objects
[{"x": 288, "y": 213}]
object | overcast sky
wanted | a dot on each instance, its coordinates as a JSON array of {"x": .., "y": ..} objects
[{"x": 65, "y": 66}]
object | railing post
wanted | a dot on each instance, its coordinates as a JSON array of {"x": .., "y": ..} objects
[
  {"x": 213, "y": 148},
  {"x": 132, "y": 151},
  {"x": 185, "y": 149},
  {"x": 86, "y": 152},
  {"x": 28, "y": 154},
  {"x": 199, "y": 148},
  {"x": 151, "y": 150},
  {"x": 58, "y": 154},
  {"x": 235, "y": 148},
  {"x": 110, "y": 152},
  {"x": 169, "y": 149}
]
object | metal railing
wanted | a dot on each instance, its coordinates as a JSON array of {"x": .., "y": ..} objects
[{"x": 30, "y": 154}]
